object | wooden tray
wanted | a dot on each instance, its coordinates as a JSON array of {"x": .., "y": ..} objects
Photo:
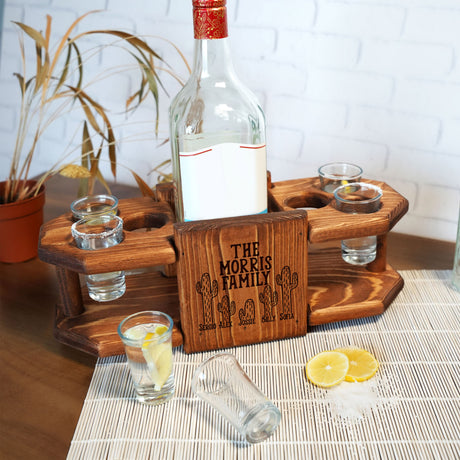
[{"x": 336, "y": 291}]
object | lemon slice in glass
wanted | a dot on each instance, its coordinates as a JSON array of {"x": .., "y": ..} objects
[
  {"x": 161, "y": 329},
  {"x": 158, "y": 356},
  {"x": 363, "y": 364},
  {"x": 327, "y": 369},
  {"x": 136, "y": 332}
]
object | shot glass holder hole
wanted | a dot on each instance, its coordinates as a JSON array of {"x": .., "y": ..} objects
[{"x": 218, "y": 299}]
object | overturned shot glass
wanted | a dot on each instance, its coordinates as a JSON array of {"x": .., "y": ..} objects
[
  {"x": 95, "y": 233},
  {"x": 358, "y": 198},
  {"x": 222, "y": 383},
  {"x": 93, "y": 206},
  {"x": 333, "y": 175}
]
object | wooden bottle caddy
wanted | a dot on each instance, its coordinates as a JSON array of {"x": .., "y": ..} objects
[{"x": 239, "y": 280}]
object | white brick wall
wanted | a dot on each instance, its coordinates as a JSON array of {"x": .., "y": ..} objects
[{"x": 374, "y": 82}]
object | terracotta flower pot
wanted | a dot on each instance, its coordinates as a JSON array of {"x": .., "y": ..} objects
[{"x": 20, "y": 224}]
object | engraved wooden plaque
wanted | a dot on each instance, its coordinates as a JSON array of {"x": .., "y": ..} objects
[{"x": 242, "y": 280}]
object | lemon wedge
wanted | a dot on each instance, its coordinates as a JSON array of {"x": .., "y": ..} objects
[
  {"x": 363, "y": 364},
  {"x": 327, "y": 369},
  {"x": 158, "y": 356}
]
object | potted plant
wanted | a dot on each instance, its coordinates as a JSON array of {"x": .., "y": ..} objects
[{"x": 56, "y": 87}]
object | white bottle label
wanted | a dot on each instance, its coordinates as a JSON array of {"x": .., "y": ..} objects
[{"x": 224, "y": 180}]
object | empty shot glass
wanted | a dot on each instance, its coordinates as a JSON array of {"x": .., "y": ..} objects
[
  {"x": 358, "y": 198},
  {"x": 147, "y": 337},
  {"x": 333, "y": 175},
  {"x": 95, "y": 233},
  {"x": 222, "y": 383},
  {"x": 94, "y": 205}
]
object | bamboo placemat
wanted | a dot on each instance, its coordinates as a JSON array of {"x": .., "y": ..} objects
[{"x": 409, "y": 410}]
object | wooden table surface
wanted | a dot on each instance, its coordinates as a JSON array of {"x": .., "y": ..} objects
[{"x": 44, "y": 383}]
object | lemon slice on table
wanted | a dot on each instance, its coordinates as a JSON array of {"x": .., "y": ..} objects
[
  {"x": 158, "y": 357},
  {"x": 327, "y": 369},
  {"x": 363, "y": 364}
]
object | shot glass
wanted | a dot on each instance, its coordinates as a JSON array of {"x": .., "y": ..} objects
[
  {"x": 95, "y": 233},
  {"x": 222, "y": 383},
  {"x": 358, "y": 198},
  {"x": 93, "y": 206},
  {"x": 147, "y": 337},
  {"x": 333, "y": 175}
]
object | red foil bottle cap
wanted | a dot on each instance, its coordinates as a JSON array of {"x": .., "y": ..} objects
[{"x": 210, "y": 19}]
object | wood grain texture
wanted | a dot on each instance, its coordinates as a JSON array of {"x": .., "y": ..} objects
[
  {"x": 91, "y": 326},
  {"x": 338, "y": 291},
  {"x": 95, "y": 330},
  {"x": 38, "y": 420},
  {"x": 325, "y": 223},
  {"x": 138, "y": 249},
  {"x": 70, "y": 292},
  {"x": 165, "y": 192},
  {"x": 242, "y": 280}
]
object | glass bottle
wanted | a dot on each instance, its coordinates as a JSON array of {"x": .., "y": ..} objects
[{"x": 217, "y": 130}]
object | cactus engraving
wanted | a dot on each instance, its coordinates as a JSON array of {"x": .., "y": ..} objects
[
  {"x": 247, "y": 314},
  {"x": 208, "y": 291},
  {"x": 227, "y": 310},
  {"x": 287, "y": 283},
  {"x": 270, "y": 299}
]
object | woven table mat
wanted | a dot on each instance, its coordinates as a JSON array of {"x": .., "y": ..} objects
[{"x": 409, "y": 410}]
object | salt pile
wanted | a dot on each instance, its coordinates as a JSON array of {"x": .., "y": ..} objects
[{"x": 353, "y": 401}]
